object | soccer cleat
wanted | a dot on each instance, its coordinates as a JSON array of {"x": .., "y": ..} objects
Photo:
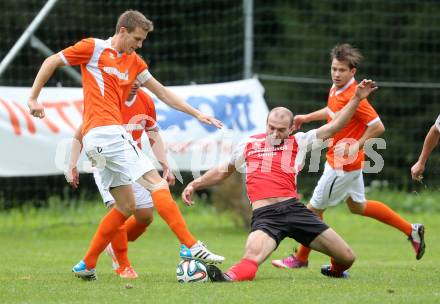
[
  {"x": 290, "y": 262},
  {"x": 127, "y": 273},
  {"x": 80, "y": 270},
  {"x": 216, "y": 275},
  {"x": 200, "y": 252},
  {"x": 417, "y": 239},
  {"x": 110, "y": 252},
  {"x": 327, "y": 271}
]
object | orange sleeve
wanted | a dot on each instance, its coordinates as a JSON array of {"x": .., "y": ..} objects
[
  {"x": 141, "y": 65},
  {"x": 365, "y": 113},
  {"x": 79, "y": 53}
]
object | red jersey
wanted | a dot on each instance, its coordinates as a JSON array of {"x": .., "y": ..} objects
[
  {"x": 271, "y": 171},
  {"x": 364, "y": 116},
  {"x": 107, "y": 78},
  {"x": 139, "y": 114}
]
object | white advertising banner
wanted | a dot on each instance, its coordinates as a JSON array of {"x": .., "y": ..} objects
[{"x": 32, "y": 147}]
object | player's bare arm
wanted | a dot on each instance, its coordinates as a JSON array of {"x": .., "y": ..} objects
[
  {"x": 431, "y": 141},
  {"x": 159, "y": 151},
  {"x": 46, "y": 71},
  {"x": 363, "y": 89},
  {"x": 72, "y": 174},
  {"x": 174, "y": 101},
  {"x": 372, "y": 131},
  {"x": 211, "y": 177},
  {"x": 298, "y": 120}
]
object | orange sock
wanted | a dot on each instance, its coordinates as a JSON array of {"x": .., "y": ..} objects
[
  {"x": 120, "y": 247},
  {"x": 134, "y": 228},
  {"x": 303, "y": 252},
  {"x": 104, "y": 234},
  {"x": 169, "y": 211},
  {"x": 385, "y": 214}
]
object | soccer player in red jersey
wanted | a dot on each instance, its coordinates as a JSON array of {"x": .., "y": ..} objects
[
  {"x": 342, "y": 178},
  {"x": 431, "y": 141},
  {"x": 271, "y": 163},
  {"x": 109, "y": 68}
]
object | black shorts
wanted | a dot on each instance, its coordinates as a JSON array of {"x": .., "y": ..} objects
[{"x": 289, "y": 218}]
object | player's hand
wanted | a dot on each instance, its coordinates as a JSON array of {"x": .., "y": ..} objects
[
  {"x": 35, "y": 109},
  {"x": 417, "y": 171},
  {"x": 169, "y": 176},
  {"x": 364, "y": 88},
  {"x": 72, "y": 177},
  {"x": 346, "y": 150},
  {"x": 209, "y": 120},
  {"x": 187, "y": 195},
  {"x": 298, "y": 120}
]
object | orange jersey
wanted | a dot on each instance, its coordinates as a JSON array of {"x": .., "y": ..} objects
[
  {"x": 364, "y": 116},
  {"x": 139, "y": 114},
  {"x": 107, "y": 78}
]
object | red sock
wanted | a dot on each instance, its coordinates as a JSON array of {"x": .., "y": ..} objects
[
  {"x": 385, "y": 214},
  {"x": 338, "y": 268},
  {"x": 120, "y": 247},
  {"x": 104, "y": 234},
  {"x": 134, "y": 228},
  {"x": 245, "y": 270},
  {"x": 169, "y": 211}
]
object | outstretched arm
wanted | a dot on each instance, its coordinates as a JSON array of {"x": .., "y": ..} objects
[
  {"x": 298, "y": 120},
  {"x": 46, "y": 71},
  {"x": 174, "y": 101},
  {"x": 211, "y": 177},
  {"x": 363, "y": 89},
  {"x": 431, "y": 141}
]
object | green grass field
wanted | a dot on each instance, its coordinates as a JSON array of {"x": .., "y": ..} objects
[{"x": 38, "y": 249}]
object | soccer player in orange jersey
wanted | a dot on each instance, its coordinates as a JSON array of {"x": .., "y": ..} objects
[
  {"x": 342, "y": 178},
  {"x": 139, "y": 115},
  {"x": 109, "y": 69},
  {"x": 431, "y": 141}
]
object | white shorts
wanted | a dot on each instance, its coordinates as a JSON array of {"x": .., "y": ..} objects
[
  {"x": 142, "y": 196},
  {"x": 334, "y": 187},
  {"x": 116, "y": 156}
]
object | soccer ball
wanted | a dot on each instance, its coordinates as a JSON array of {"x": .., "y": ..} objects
[{"x": 189, "y": 271}]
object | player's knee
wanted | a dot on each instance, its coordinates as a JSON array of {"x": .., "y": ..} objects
[
  {"x": 144, "y": 216},
  {"x": 349, "y": 256},
  {"x": 354, "y": 207},
  {"x": 153, "y": 186}
]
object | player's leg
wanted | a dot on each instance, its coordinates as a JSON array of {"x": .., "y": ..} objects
[
  {"x": 329, "y": 191},
  {"x": 169, "y": 211},
  {"x": 358, "y": 204},
  {"x": 259, "y": 246},
  {"x": 113, "y": 162},
  {"x": 342, "y": 256}
]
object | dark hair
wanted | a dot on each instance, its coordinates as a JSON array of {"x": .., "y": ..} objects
[
  {"x": 346, "y": 53},
  {"x": 132, "y": 19}
]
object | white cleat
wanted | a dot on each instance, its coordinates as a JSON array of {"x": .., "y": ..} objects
[{"x": 200, "y": 252}]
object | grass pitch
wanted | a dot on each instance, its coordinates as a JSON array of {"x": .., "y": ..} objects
[{"x": 38, "y": 249}]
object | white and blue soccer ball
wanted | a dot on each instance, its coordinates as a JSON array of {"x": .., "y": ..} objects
[{"x": 189, "y": 271}]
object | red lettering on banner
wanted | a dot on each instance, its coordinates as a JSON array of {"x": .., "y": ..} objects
[
  {"x": 30, "y": 124},
  {"x": 79, "y": 105},
  {"x": 12, "y": 117},
  {"x": 50, "y": 125},
  {"x": 59, "y": 108}
]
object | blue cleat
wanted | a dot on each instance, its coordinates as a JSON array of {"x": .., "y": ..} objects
[{"x": 80, "y": 270}]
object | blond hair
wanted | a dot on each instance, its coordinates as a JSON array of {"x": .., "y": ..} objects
[
  {"x": 346, "y": 53},
  {"x": 132, "y": 19}
]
